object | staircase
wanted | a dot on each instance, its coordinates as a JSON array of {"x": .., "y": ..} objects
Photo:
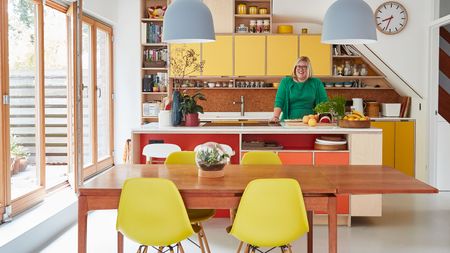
[{"x": 444, "y": 73}]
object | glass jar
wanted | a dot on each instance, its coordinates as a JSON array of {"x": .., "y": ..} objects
[
  {"x": 252, "y": 26},
  {"x": 259, "y": 26},
  {"x": 347, "y": 68},
  {"x": 242, "y": 8},
  {"x": 262, "y": 11},
  {"x": 252, "y": 10},
  {"x": 363, "y": 71},
  {"x": 266, "y": 26},
  {"x": 211, "y": 156}
]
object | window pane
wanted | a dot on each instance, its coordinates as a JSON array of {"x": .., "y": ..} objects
[
  {"x": 55, "y": 41},
  {"x": 23, "y": 91},
  {"x": 87, "y": 87},
  {"x": 103, "y": 98}
]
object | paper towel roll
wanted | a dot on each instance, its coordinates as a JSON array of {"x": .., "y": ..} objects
[{"x": 164, "y": 118}]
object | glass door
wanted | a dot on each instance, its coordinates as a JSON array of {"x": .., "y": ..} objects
[
  {"x": 103, "y": 97},
  {"x": 4, "y": 150},
  {"x": 97, "y": 96}
]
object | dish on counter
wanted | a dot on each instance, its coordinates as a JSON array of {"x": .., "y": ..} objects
[{"x": 339, "y": 84}]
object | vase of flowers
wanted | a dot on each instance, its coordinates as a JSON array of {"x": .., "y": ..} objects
[{"x": 211, "y": 159}]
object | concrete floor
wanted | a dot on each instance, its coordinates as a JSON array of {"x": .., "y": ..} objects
[{"x": 410, "y": 224}]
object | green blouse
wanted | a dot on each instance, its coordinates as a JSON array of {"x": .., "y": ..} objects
[{"x": 297, "y": 99}]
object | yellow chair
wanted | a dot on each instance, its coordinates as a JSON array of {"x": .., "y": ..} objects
[
  {"x": 271, "y": 213},
  {"x": 196, "y": 216},
  {"x": 152, "y": 213},
  {"x": 260, "y": 158}
]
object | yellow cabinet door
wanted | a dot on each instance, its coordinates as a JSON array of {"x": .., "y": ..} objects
[
  {"x": 249, "y": 55},
  {"x": 405, "y": 147},
  {"x": 177, "y": 51},
  {"x": 388, "y": 142},
  {"x": 282, "y": 51},
  {"x": 218, "y": 56},
  {"x": 318, "y": 53}
]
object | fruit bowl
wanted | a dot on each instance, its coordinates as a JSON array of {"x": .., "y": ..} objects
[{"x": 344, "y": 123}]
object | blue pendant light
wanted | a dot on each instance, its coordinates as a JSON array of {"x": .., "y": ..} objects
[
  {"x": 188, "y": 21},
  {"x": 349, "y": 22}
]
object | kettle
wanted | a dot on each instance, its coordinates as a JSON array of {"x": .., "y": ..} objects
[{"x": 358, "y": 105}]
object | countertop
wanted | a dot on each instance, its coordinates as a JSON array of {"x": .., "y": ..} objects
[
  {"x": 154, "y": 128},
  {"x": 217, "y": 116}
]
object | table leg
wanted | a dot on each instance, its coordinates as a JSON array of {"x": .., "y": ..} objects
[
  {"x": 310, "y": 232},
  {"x": 119, "y": 242},
  {"x": 332, "y": 225},
  {"x": 82, "y": 223}
]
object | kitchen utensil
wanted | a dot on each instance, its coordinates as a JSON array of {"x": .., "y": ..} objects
[
  {"x": 358, "y": 104},
  {"x": 242, "y": 29},
  {"x": 285, "y": 29}
]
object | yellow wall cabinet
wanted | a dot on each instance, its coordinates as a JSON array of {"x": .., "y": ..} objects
[
  {"x": 175, "y": 53},
  {"x": 318, "y": 53},
  {"x": 249, "y": 55},
  {"x": 398, "y": 145},
  {"x": 218, "y": 56},
  {"x": 282, "y": 51}
]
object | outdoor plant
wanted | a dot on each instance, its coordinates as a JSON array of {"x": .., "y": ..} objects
[
  {"x": 188, "y": 104},
  {"x": 17, "y": 150},
  {"x": 335, "y": 106},
  {"x": 211, "y": 156}
]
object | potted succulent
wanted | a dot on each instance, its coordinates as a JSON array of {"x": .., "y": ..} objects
[
  {"x": 211, "y": 158},
  {"x": 19, "y": 156},
  {"x": 190, "y": 109}
]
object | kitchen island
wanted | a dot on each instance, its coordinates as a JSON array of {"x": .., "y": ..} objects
[{"x": 294, "y": 145}]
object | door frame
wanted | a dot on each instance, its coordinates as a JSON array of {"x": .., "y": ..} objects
[{"x": 433, "y": 89}]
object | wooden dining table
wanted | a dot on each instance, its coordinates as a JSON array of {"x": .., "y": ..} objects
[{"x": 320, "y": 185}]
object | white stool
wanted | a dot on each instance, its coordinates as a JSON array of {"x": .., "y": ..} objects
[{"x": 159, "y": 150}]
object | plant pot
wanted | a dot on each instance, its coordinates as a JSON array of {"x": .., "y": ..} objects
[
  {"x": 18, "y": 164},
  {"x": 213, "y": 171},
  {"x": 192, "y": 119}
]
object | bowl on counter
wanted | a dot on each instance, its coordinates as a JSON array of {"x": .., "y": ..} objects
[
  {"x": 339, "y": 84},
  {"x": 329, "y": 84},
  {"x": 348, "y": 84}
]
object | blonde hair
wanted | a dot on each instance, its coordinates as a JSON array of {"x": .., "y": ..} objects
[{"x": 309, "y": 71}]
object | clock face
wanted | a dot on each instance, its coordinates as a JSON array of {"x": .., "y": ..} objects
[{"x": 391, "y": 17}]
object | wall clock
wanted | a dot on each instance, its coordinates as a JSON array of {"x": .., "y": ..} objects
[{"x": 391, "y": 17}]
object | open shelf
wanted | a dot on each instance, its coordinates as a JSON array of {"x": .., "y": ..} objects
[
  {"x": 156, "y": 69},
  {"x": 225, "y": 88},
  {"x": 154, "y": 93},
  {"x": 347, "y": 56},
  {"x": 252, "y": 15},
  {"x": 352, "y": 77},
  {"x": 154, "y": 44},
  {"x": 152, "y": 19}
]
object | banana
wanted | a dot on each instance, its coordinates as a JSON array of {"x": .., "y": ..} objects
[{"x": 361, "y": 115}]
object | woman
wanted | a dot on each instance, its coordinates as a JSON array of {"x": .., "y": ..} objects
[{"x": 298, "y": 94}]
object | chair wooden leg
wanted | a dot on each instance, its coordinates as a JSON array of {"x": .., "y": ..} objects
[
  {"x": 119, "y": 242},
  {"x": 240, "y": 247},
  {"x": 180, "y": 247},
  {"x": 247, "y": 248},
  {"x": 160, "y": 249},
  {"x": 200, "y": 240},
  {"x": 205, "y": 240}
]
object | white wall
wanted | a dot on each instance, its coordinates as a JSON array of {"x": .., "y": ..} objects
[
  {"x": 406, "y": 53},
  {"x": 127, "y": 73},
  {"x": 104, "y": 10}
]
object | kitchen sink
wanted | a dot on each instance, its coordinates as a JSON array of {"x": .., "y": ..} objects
[{"x": 240, "y": 123}]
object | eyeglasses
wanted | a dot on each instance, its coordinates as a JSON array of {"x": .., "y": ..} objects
[{"x": 301, "y": 67}]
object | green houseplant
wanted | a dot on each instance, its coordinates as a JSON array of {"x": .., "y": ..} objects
[
  {"x": 19, "y": 156},
  {"x": 335, "y": 106},
  {"x": 190, "y": 109}
]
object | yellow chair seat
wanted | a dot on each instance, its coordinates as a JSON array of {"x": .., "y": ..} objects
[{"x": 260, "y": 158}]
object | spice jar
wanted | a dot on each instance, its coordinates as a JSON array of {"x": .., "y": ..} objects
[
  {"x": 252, "y": 26},
  {"x": 242, "y": 9},
  {"x": 259, "y": 26},
  {"x": 266, "y": 26},
  {"x": 252, "y": 10}
]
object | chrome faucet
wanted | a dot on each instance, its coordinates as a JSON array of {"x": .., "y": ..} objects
[{"x": 242, "y": 103}]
